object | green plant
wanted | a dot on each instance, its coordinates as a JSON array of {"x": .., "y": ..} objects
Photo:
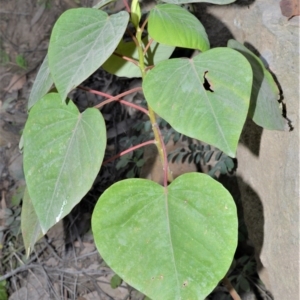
[
  {"x": 21, "y": 61},
  {"x": 174, "y": 241}
]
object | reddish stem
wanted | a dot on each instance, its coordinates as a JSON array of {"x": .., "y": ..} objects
[
  {"x": 144, "y": 110},
  {"x": 128, "y": 150},
  {"x": 94, "y": 92},
  {"x": 232, "y": 291},
  {"x": 127, "y": 6},
  {"x": 147, "y": 46},
  {"x": 149, "y": 68},
  {"x": 144, "y": 24},
  {"x": 133, "y": 37},
  {"x": 116, "y": 98},
  {"x": 127, "y": 58}
]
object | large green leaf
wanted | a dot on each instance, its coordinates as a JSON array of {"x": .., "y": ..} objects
[
  {"x": 42, "y": 83},
  {"x": 173, "y": 243},
  {"x": 206, "y": 97},
  {"x": 173, "y": 25},
  {"x": 63, "y": 152},
  {"x": 120, "y": 67},
  {"x": 30, "y": 225},
  {"x": 82, "y": 40},
  {"x": 264, "y": 107}
]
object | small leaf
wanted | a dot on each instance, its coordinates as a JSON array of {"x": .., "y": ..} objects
[
  {"x": 18, "y": 195},
  {"x": 176, "y": 91},
  {"x": 220, "y": 2},
  {"x": 21, "y": 61},
  {"x": 147, "y": 126},
  {"x": 41, "y": 85},
  {"x": 115, "y": 281},
  {"x": 229, "y": 163},
  {"x": 135, "y": 14},
  {"x": 82, "y": 40},
  {"x": 264, "y": 107},
  {"x": 123, "y": 162},
  {"x": 207, "y": 156},
  {"x": 197, "y": 158},
  {"x": 63, "y": 152},
  {"x": 218, "y": 155},
  {"x": 30, "y": 225},
  {"x": 173, "y": 25},
  {"x": 169, "y": 243},
  {"x": 140, "y": 163},
  {"x": 223, "y": 168},
  {"x": 244, "y": 284}
]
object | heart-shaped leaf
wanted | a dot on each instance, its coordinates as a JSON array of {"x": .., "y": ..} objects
[
  {"x": 264, "y": 107},
  {"x": 122, "y": 68},
  {"x": 42, "y": 83},
  {"x": 82, "y": 40},
  {"x": 206, "y": 97},
  {"x": 173, "y": 25},
  {"x": 169, "y": 243},
  {"x": 63, "y": 152}
]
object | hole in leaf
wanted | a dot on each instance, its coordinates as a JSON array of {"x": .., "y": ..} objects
[{"x": 206, "y": 84}]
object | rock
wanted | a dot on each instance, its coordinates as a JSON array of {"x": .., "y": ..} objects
[{"x": 268, "y": 160}]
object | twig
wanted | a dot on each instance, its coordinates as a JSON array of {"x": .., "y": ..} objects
[
  {"x": 18, "y": 270},
  {"x": 230, "y": 288}
]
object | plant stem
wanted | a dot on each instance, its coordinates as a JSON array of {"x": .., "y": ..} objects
[
  {"x": 231, "y": 289},
  {"x": 147, "y": 46},
  {"x": 128, "y": 150},
  {"x": 126, "y": 5},
  {"x": 116, "y": 98},
  {"x": 157, "y": 134},
  {"x": 126, "y": 58}
]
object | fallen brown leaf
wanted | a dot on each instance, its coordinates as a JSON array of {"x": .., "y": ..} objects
[{"x": 16, "y": 83}]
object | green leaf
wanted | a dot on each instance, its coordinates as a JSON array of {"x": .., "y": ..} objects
[
  {"x": 173, "y": 25},
  {"x": 18, "y": 195},
  {"x": 82, "y": 39},
  {"x": 115, "y": 281},
  {"x": 123, "y": 68},
  {"x": 103, "y": 3},
  {"x": 42, "y": 83},
  {"x": 206, "y": 97},
  {"x": 220, "y": 2},
  {"x": 169, "y": 243},
  {"x": 135, "y": 14},
  {"x": 21, "y": 61},
  {"x": 30, "y": 225},
  {"x": 63, "y": 151},
  {"x": 244, "y": 284},
  {"x": 264, "y": 107},
  {"x": 3, "y": 290}
]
